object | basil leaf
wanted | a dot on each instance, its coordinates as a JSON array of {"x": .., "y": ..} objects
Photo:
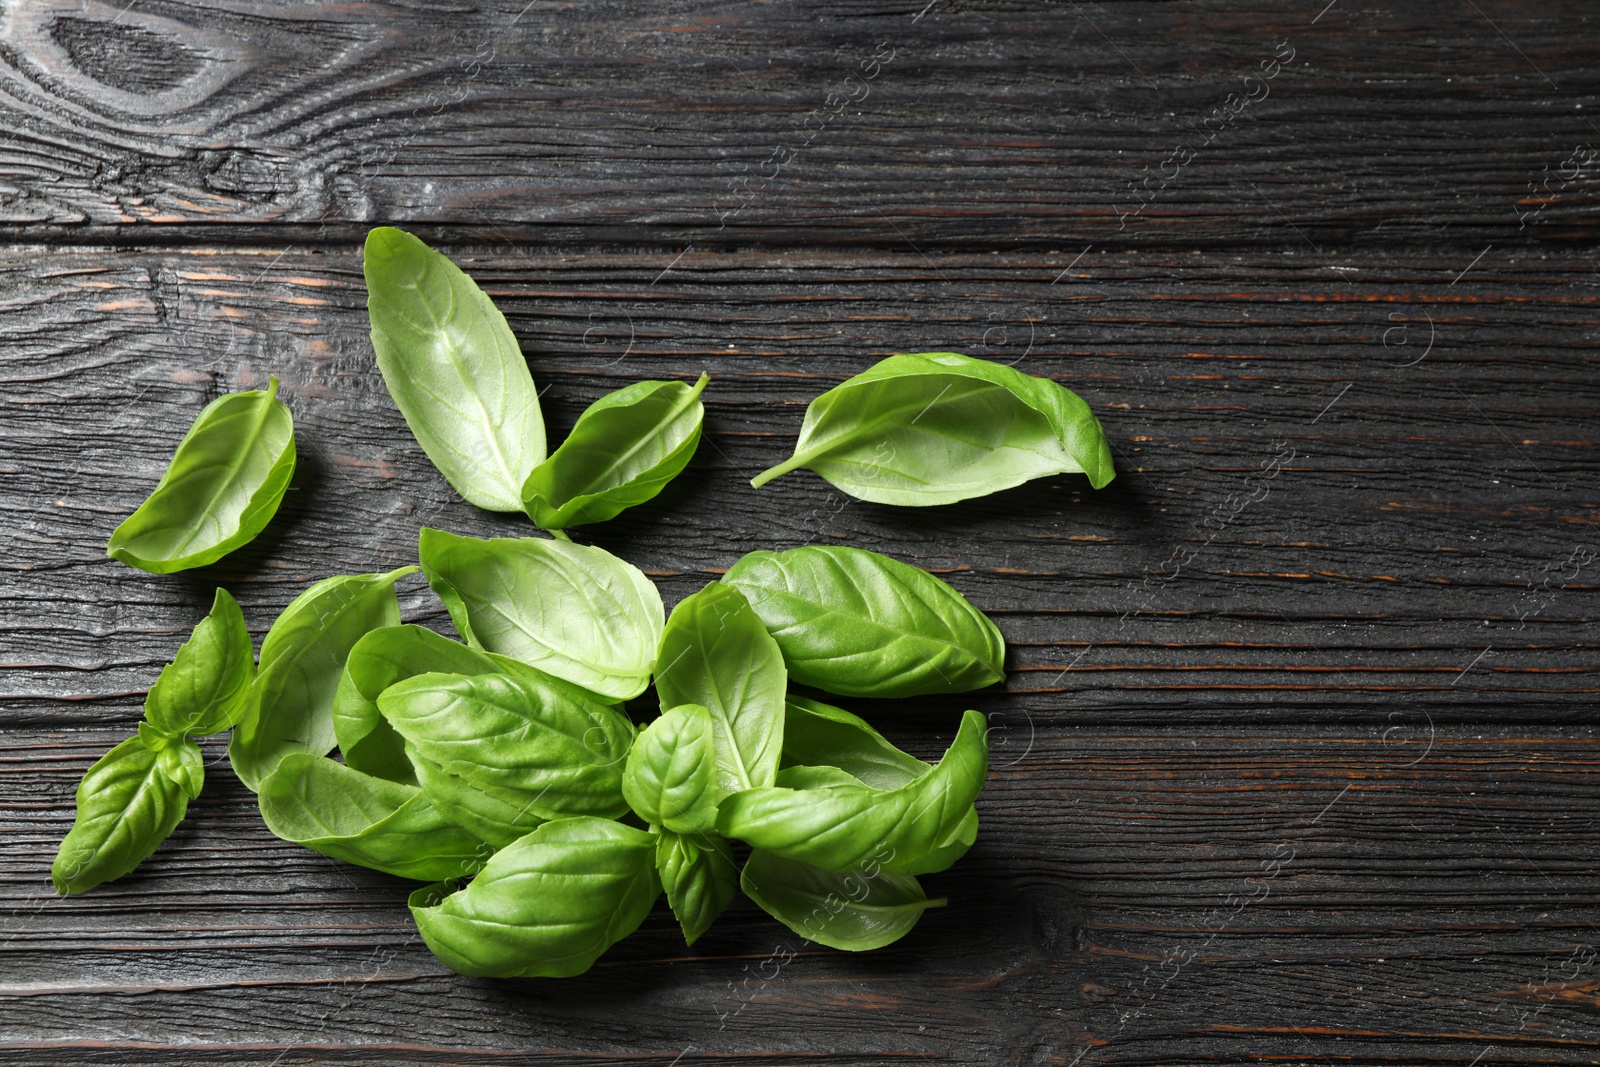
[
  {"x": 858, "y": 623},
  {"x": 179, "y": 758},
  {"x": 937, "y": 427},
  {"x": 547, "y": 906},
  {"x": 821, "y": 776},
  {"x": 454, "y": 369},
  {"x": 670, "y": 778},
  {"x": 185, "y": 765},
  {"x": 864, "y": 909},
  {"x": 381, "y": 658},
  {"x": 815, "y": 733},
  {"x": 819, "y": 734},
  {"x": 840, "y": 827},
  {"x": 205, "y": 687},
  {"x": 558, "y": 750},
  {"x": 939, "y": 858},
  {"x": 716, "y": 653},
  {"x": 624, "y": 450},
  {"x": 126, "y": 807},
  {"x": 498, "y": 816},
  {"x": 339, "y": 812},
  {"x": 290, "y": 708},
  {"x": 222, "y": 487},
  {"x": 699, "y": 876},
  {"x": 573, "y": 611}
]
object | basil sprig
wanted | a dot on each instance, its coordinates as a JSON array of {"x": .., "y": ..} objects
[
  {"x": 503, "y": 767},
  {"x": 462, "y": 763},
  {"x": 134, "y": 796},
  {"x": 938, "y": 427}
]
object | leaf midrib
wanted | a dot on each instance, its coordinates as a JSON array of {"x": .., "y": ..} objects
[
  {"x": 232, "y": 473},
  {"x": 461, "y": 372},
  {"x": 593, "y": 485}
]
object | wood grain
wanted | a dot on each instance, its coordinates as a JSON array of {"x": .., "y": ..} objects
[
  {"x": 991, "y": 125},
  {"x": 1426, "y": 532},
  {"x": 1117, "y": 874},
  {"x": 1296, "y": 761}
]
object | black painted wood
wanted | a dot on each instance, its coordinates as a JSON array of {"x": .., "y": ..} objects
[{"x": 1297, "y": 758}]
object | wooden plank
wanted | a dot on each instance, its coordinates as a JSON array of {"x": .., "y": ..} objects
[
  {"x": 714, "y": 122},
  {"x": 1433, "y": 849},
  {"x": 1302, "y": 525},
  {"x": 1297, "y": 757},
  {"x": 1236, "y": 894}
]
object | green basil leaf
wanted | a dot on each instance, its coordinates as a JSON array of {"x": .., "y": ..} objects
[
  {"x": 858, "y": 623},
  {"x": 670, "y": 778},
  {"x": 938, "y": 858},
  {"x": 840, "y": 827},
  {"x": 177, "y": 757},
  {"x": 222, "y": 487},
  {"x": 624, "y": 450},
  {"x": 573, "y": 611},
  {"x": 819, "y": 734},
  {"x": 815, "y": 733},
  {"x": 821, "y": 776},
  {"x": 454, "y": 369},
  {"x": 205, "y": 688},
  {"x": 558, "y": 750},
  {"x": 863, "y": 909},
  {"x": 547, "y": 906},
  {"x": 377, "y": 661},
  {"x": 716, "y": 653},
  {"x": 937, "y": 427},
  {"x": 952, "y": 848},
  {"x": 700, "y": 878},
  {"x": 290, "y": 708},
  {"x": 339, "y": 812},
  {"x": 126, "y": 807},
  {"x": 498, "y": 816}
]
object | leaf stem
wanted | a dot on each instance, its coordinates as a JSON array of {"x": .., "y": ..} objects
[{"x": 794, "y": 462}]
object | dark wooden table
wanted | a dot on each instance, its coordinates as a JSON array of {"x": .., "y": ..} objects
[{"x": 1297, "y": 761}]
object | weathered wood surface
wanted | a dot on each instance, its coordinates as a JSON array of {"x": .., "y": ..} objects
[
  {"x": 1297, "y": 760},
  {"x": 988, "y": 124}
]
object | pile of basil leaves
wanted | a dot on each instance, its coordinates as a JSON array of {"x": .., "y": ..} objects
[{"x": 503, "y": 768}]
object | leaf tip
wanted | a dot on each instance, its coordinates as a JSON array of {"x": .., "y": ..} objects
[
  {"x": 398, "y": 573},
  {"x": 384, "y": 240}
]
